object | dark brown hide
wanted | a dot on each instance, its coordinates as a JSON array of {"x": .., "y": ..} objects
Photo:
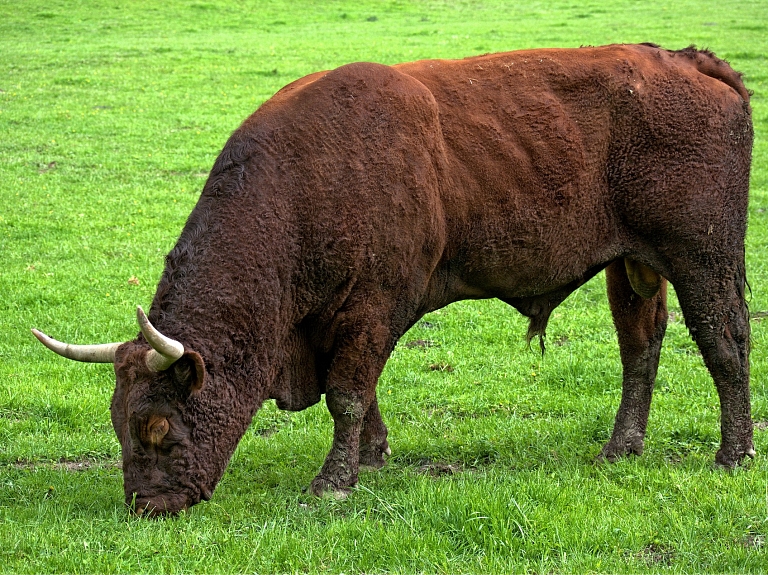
[{"x": 357, "y": 200}]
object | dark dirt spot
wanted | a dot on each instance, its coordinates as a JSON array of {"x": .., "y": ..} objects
[
  {"x": 760, "y": 425},
  {"x": 420, "y": 343},
  {"x": 438, "y": 468},
  {"x": 753, "y": 541},
  {"x": 67, "y": 465},
  {"x": 372, "y": 19},
  {"x": 561, "y": 340},
  {"x": 758, "y": 315},
  {"x": 46, "y": 167},
  {"x": 444, "y": 367},
  {"x": 656, "y": 554},
  {"x": 674, "y": 317},
  {"x": 267, "y": 426},
  {"x": 674, "y": 458},
  {"x": 71, "y": 465},
  {"x": 267, "y": 431}
]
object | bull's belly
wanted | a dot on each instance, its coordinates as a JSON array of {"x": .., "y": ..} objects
[{"x": 530, "y": 275}]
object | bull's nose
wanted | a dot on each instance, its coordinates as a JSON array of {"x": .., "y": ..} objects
[{"x": 158, "y": 506}]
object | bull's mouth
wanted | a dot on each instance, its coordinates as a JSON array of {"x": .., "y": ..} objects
[
  {"x": 164, "y": 504},
  {"x": 158, "y": 506}
]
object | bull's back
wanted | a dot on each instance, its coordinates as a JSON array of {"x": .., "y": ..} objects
[{"x": 516, "y": 171}]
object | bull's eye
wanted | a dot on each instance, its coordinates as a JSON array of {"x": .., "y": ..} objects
[{"x": 157, "y": 428}]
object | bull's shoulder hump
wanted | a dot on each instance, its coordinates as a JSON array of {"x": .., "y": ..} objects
[
  {"x": 295, "y": 87},
  {"x": 360, "y": 79},
  {"x": 372, "y": 74},
  {"x": 300, "y": 83}
]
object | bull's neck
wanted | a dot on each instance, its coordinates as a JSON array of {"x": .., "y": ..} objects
[{"x": 226, "y": 301}]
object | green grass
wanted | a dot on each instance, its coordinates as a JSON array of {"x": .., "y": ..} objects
[{"x": 111, "y": 114}]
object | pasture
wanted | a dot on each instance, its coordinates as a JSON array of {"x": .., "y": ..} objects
[{"x": 111, "y": 115}]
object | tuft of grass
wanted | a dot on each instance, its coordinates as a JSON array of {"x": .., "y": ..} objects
[{"x": 111, "y": 114}]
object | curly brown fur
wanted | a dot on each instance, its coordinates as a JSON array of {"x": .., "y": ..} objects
[{"x": 357, "y": 200}]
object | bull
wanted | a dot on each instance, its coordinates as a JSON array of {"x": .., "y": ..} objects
[{"x": 357, "y": 200}]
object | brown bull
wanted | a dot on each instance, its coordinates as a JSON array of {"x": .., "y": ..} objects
[{"x": 357, "y": 200}]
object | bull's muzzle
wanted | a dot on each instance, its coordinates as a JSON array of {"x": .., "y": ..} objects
[
  {"x": 159, "y": 505},
  {"x": 167, "y": 504}
]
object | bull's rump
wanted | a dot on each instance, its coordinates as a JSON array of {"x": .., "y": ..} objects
[{"x": 569, "y": 158}]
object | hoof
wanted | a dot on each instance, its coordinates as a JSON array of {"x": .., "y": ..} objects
[
  {"x": 374, "y": 460},
  {"x": 606, "y": 458},
  {"x": 325, "y": 488},
  {"x": 615, "y": 450},
  {"x": 730, "y": 460},
  {"x": 336, "y": 494}
]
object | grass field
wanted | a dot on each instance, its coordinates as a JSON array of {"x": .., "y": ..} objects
[{"x": 111, "y": 114}]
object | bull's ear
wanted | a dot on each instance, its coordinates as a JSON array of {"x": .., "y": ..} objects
[{"x": 189, "y": 370}]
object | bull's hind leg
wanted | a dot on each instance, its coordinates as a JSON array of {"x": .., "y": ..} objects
[
  {"x": 716, "y": 314},
  {"x": 362, "y": 351},
  {"x": 640, "y": 324}
]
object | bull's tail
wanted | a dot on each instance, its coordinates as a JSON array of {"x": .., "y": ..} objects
[{"x": 710, "y": 65}]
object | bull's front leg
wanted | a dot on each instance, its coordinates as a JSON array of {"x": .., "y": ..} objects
[
  {"x": 358, "y": 431},
  {"x": 373, "y": 439},
  {"x": 339, "y": 472}
]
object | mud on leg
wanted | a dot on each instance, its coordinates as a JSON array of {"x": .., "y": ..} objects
[{"x": 716, "y": 314}]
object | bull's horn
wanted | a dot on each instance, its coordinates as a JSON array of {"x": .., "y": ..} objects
[
  {"x": 99, "y": 353},
  {"x": 165, "y": 351}
]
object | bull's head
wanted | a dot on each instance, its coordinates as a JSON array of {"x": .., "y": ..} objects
[{"x": 153, "y": 409}]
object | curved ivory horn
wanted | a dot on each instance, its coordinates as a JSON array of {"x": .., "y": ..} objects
[
  {"x": 165, "y": 351},
  {"x": 99, "y": 353}
]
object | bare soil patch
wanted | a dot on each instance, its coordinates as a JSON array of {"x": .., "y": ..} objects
[{"x": 70, "y": 465}]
